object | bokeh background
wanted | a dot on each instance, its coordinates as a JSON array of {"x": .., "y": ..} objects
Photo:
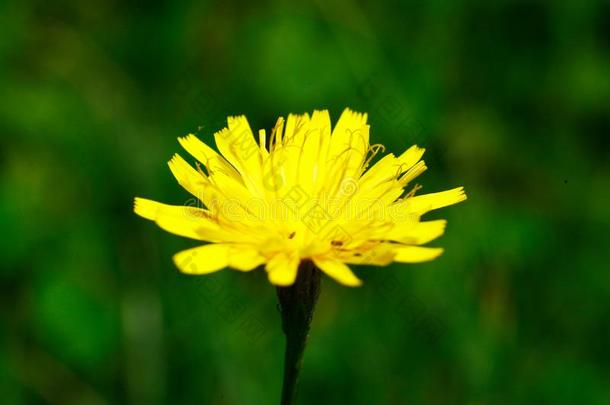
[{"x": 510, "y": 98}]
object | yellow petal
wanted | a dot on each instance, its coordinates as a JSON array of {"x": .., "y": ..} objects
[
  {"x": 292, "y": 145},
  {"x": 203, "y": 259},
  {"x": 238, "y": 146},
  {"x": 337, "y": 270},
  {"x": 294, "y": 129},
  {"x": 262, "y": 143},
  {"x": 381, "y": 254},
  {"x": 416, "y": 254},
  {"x": 275, "y": 140},
  {"x": 321, "y": 121},
  {"x": 244, "y": 258},
  {"x": 349, "y": 145},
  {"x": 282, "y": 269},
  {"x": 190, "y": 222},
  {"x": 189, "y": 178},
  {"x": 384, "y": 169},
  {"x": 417, "y": 233},
  {"x": 308, "y": 161},
  {"x": 413, "y": 172},
  {"x": 421, "y": 204},
  {"x": 212, "y": 161},
  {"x": 410, "y": 157},
  {"x": 349, "y": 133}
]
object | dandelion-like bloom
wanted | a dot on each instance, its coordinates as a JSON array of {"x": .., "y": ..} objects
[{"x": 304, "y": 193}]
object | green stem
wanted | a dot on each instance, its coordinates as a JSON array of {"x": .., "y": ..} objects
[{"x": 297, "y": 304}]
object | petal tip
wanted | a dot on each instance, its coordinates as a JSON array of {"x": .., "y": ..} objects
[
  {"x": 353, "y": 283},
  {"x": 144, "y": 208}
]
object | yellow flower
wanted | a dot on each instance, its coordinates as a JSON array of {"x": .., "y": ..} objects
[{"x": 303, "y": 193}]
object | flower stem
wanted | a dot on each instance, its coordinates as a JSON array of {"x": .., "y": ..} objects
[{"x": 297, "y": 303}]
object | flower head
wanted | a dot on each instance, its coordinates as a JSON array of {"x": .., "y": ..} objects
[{"x": 305, "y": 192}]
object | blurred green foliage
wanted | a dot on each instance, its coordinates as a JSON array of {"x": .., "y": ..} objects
[{"x": 511, "y": 99}]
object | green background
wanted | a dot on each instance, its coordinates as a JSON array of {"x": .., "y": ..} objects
[{"x": 510, "y": 98}]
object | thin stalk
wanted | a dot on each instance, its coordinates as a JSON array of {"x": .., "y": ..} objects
[{"x": 297, "y": 303}]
